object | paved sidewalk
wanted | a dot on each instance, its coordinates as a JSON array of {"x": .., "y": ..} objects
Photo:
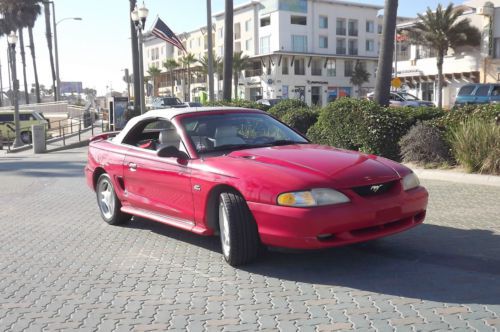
[{"x": 63, "y": 269}]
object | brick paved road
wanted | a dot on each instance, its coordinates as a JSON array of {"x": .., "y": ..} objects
[{"x": 62, "y": 268}]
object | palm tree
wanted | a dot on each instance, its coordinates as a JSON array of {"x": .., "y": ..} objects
[
  {"x": 240, "y": 62},
  {"x": 154, "y": 72},
  {"x": 187, "y": 61},
  {"x": 359, "y": 76},
  {"x": 441, "y": 30},
  {"x": 23, "y": 14},
  {"x": 384, "y": 71},
  {"x": 170, "y": 65},
  {"x": 228, "y": 49},
  {"x": 48, "y": 35},
  {"x": 210, "y": 56},
  {"x": 23, "y": 62}
]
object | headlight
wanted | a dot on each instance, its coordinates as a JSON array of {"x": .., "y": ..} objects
[
  {"x": 314, "y": 197},
  {"x": 410, "y": 181}
]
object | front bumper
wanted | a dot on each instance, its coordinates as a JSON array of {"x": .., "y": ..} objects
[{"x": 322, "y": 227}]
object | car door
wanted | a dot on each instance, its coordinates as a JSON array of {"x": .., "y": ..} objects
[{"x": 158, "y": 185}]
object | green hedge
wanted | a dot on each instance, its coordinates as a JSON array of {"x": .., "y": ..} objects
[
  {"x": 285, "y": 106},
  {"x": 237, "y": 103},
  {"x": 361, "y": 125}
]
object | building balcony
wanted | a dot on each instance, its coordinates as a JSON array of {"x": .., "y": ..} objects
[
  {"x": 353, "y": 51},
  {"x": 341, "y": 31},
  {"x": 341, "y": 50},
  {"x": 253, "y": 72},
  {"x": 353, "y": 33}
]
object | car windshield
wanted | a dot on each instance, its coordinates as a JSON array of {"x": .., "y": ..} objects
[
  {"x": 235, "y": 131},
  {"x": 171, "y": 101},
  {"x": 408, "y": 97}
]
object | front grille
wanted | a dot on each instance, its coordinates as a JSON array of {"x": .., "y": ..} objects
[{"x": 374, "y": 189}]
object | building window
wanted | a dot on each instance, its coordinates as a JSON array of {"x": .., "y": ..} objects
[
  {"x": 299, "y": 43},
  {"x": 298, "y": 20},
  {"x": 284, "y": 66},
  {"x": 316, "y": 95},
  {"x": 353, "y": 28},
  {"x": 299, "y": 67},
  {"x": 370, "y": 45},
  {"x": 237, "y": 31},
  {"x": 247, "y": 25},
  {"x": 323, "y": 22},
  {"x": 348, "y": 68},
  {"x": 370, "y": 26},
  {"x": 331, "y": 68},
  {"x": 353, "y": 47},
  {"x": 248, "y": 44},
  {"x": 379, "y": 29},
  {"x": 496, "y": 50},
  {"x": 316, "y": 65},
  {"x": 323, "y": 42},
  {"x": 221, "y": 33},
  {"x": 264, "y": 45},
  {"x": 341, "y": 46},
  {"x": 265, "y": 21},
  {"x": 341, "y": 30},
  {"x": 237, "y": 46}
]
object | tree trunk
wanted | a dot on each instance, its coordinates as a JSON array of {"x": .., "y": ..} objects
[
  {"x": 189, "y": 84},
  {"x": 228, "y": 50},
  {"x": 384, "y": 70},
  {"x": 135, "y": 61},
  {"x": 235, "y": 78},
  {"x": 35, "y": 71},
  {"x": 172, "y": 81},
  {"x": 439, "y": 92},
  {"x": 23, "y": 61},
  {"x": 48, "y": 34}
]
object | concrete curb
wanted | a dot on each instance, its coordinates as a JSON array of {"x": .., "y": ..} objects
[{"x": 454, "y": 176}]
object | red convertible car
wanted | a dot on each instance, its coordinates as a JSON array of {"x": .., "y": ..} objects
[{"x": 243, "y": 175}]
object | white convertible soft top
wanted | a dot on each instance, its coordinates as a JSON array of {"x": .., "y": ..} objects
[{"x": 169, "y": 114}]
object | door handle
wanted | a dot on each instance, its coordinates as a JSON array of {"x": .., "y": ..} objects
[{"x": 132, "y": 167}]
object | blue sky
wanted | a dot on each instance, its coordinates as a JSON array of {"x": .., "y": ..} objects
[{"x": 97, "y": 49}]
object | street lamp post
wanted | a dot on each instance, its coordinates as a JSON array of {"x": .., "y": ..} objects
[
  {"x": 139, "y": 16},
  {"x": 58, "y": 78},
  {"x": 12, "y": 40}
]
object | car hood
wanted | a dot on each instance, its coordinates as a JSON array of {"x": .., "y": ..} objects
[{"x": 340, "y": 168}]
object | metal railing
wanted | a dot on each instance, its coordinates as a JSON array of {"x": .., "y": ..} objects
[{"x": 59, "y": 130}]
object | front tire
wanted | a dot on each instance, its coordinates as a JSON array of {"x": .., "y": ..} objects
[
  {"x": 108, "y": 202},
  {"x": 238, "y": 231}
]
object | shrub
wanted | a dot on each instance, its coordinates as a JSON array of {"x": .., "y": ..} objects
[
  {"x": 416, "y": 114},
  {"x": 360, "y": 125},
  {"x": 456, "y": 116},
  {"x": 300, "y": 119},
  {"x": 424, "y": 144},
  {"x": 281, "y": 108},
  {"x": 237, "y": 103},
  {"x": 476, "y": 145}
]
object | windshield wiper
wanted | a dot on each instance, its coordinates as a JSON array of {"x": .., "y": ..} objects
[
  {"x": 285, "y": 142},
  {"x": 231, "y": 147}
]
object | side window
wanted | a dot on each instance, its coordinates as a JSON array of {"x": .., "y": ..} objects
[
  {"x": 496, "y": 90},
  {"x": 482, "y": 91},
  {"x": 26, "y": 117},
  {"x": 154, "y": 134},
  {"x": 466, "y": 90},
  {"x": 6, "y": 117}
]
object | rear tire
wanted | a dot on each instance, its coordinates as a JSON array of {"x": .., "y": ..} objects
[
  {"x": 108, "y": 202},
  {"x": 238, "y": 230}
]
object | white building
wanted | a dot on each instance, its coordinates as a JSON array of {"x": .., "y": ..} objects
[
  {"x": 297, "y": 48},
  {"x": 416, "y": 65}
]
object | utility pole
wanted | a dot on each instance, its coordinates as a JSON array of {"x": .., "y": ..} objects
[
  {"x": 210, "y": 53},
  {"x": 135, "y": 59}
]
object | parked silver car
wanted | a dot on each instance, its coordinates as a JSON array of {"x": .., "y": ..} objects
[{"x": 404, "y": 99}]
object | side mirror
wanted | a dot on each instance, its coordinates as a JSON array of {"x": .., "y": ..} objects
[{"x": 172, "y": 152}]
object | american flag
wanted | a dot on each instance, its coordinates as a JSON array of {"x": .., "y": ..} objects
[{"x": 162, "y": 31}]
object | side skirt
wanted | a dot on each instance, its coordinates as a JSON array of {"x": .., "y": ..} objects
[{"x": 171, "y": 221}]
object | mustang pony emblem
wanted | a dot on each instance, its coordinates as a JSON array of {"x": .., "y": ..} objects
[{"x": 376, "y": 188}]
